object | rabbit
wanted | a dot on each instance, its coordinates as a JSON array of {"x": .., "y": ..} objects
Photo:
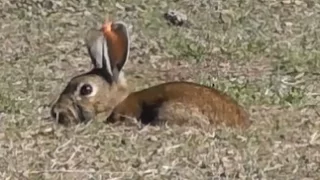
[{"x": 104, "y": 90}]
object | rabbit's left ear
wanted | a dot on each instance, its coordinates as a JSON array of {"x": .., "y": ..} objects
[
  {"x": 109, "y": 47},
  {"x": 97, "y": 50}
]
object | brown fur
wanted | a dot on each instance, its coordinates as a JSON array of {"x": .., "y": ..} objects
[{"x": 181, "y": 103}]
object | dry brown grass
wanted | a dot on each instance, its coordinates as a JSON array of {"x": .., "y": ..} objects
[{"x": 263, "y": 53}]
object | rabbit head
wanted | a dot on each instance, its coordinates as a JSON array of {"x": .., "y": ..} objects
[{"x": 104, "y": 86}]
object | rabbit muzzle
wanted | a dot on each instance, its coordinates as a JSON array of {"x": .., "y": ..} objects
[{"x": 65, "y": 111}]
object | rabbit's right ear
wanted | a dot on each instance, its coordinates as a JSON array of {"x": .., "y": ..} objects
[{"x": 109, "y": 47}]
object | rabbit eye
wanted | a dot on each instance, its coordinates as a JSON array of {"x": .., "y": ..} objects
[{"x": 85, "y": 90}]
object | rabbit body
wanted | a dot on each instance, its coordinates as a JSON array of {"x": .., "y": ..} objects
[{"x": 181, "y": 103}]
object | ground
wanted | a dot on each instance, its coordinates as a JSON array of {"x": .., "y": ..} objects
[{"x": 265, "y": 54}]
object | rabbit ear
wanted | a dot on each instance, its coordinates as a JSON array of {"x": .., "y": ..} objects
[
  {"x": 109, "y": 47},
  {"x": 118, "y": 45},
  {"x": 97, "y": 49}
]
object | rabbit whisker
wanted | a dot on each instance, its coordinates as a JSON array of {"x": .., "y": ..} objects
[
  {"x": 57, "y": 117},
  {"x": 80, "y": 113}
]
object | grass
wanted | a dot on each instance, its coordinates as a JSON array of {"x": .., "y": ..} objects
[{"x": 263, "y": 53}]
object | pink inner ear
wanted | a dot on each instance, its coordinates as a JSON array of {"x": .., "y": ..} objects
[{"x": 116, "y": 41}]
